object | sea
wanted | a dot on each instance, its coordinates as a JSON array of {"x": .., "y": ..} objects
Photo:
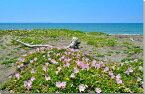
[{"x": 109, "y": 28}]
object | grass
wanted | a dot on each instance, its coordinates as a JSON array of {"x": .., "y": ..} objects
[
  {"x": 38, "y": 36},
  {"x": 9, "y": 61}
]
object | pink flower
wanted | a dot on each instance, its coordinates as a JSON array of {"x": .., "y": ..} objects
[
  {"x": 113, "y": 67},
  {"x": 46, "y": 64},
  {"x": 135, "y": 60},
  {"x": 35, "y": 59},
  {"x": 100, "y": 62},
  {"x": 106, "y": 69},
  {"x": 139, "y": 79},
  {"x": 140, "y": 67},
  {"x": 17, "y": 76},
  {"x": 119, "y": 81},
  {"x": 10, "y": 76},
  {"x": 54, "y": 62},
  {"x": 98, "y": 90},
  {"x": 93, "y": 63},
  {"x": 32, "y": 78},
  {"x": 112, "y": 76},
  {"x": 126, "y": 62},
  {"x": 121, "y": 64},
  {"x": 67, "y": 65},
  {"x": 18, "y": 66},
  {"x": 56, "y": 72},
  {"x": 59, "y": 68},
  {"x": 86, "y": 59},
  {"x": 28, "y": 84},
  {"x": 25, "y": 83},
  {"x": 31, "y": 61},
  {"x": 82, "y": 87},
  {"x": 43, "y": 56},
  {"x": 21, "y": 65},
  {"x": 97, "y": 66},
  {"x": 130, "y": 70},
  {"x": 32, "y": 71},
  {"x": 76, "y": 70},
  {"x": 44, "y": 68},
  {"x": 49, "y": 58},
  {"x": 127, "y": 72},
  {"x": 67, "y": 60},
  {"x": 21, "y": 59},
  {"x": 63, "y": 84},
  {"x": 84, "y": 66},
  {"x": 72, "y": 75},
  {"x": 110, "y": 73},
  {"x": 47, "y": 78},
  {"x": 59, "y": 84},
  {"x": 118, "y": 76}
]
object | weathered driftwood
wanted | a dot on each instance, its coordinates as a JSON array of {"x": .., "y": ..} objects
[{"x": 74, "y": 44}]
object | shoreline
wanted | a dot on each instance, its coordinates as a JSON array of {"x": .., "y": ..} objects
[
  {"x": 125, "y": 34},
  {"x": 75, "y": 30}
]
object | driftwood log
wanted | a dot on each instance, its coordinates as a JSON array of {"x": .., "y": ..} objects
[{"x": 74, "y": 44}]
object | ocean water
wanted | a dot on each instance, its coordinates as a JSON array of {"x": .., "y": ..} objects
[{"x": 109, "y": 28}]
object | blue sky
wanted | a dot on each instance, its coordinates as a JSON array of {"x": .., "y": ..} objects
[{"x": 72, "y": 11}]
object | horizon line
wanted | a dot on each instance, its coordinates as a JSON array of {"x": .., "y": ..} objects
[{"x": 68, "y": 22}]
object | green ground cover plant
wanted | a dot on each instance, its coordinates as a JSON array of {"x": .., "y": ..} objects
[
  {"x": 63, "y": 70},
  {"x": 37, "y": 36}
]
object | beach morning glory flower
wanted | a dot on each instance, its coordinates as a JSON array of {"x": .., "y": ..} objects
[
  {"x": 31, "y": 61},
  {"x": 140, "y": 67},
  {"x": 63, "y": 84},
  {"x": 118, "y": 76},
  {"x": 32, "y": 71},
  {"x": 121, "y": 64},
  {"x": 76, "y": 70},
  {"x": 46, "y": 64},
  {"x": 98, "y": 90},
  {"x": 18, "y": 66},
  {"x": 59, "y": 84},
  {"x": 21, "y": 65},
  {"x": 32, "y": 78},
  {"x": 97, "y": 66},
  {"x": 130, "y": 70},
  {"x": 72, "y": 75},
  {"x": 17, "y": 76},
  {"x": 59, "y": 68},
  {"x": 127, "y": 72},
  {"x": 67, "y": 65},
  {"x": 110, "y": 73},
  {"x": 43, "y": 56},
  {"x": 44, "y": 68},
  {"x": 28, "y": 84},
  {"x": 86, "y": 59},
  {"x": 49, "y": 58},
  {"x": 119, "y": 81},
  {"x": 21, "y": 59},
  {"x": 54, "y": 62},
  {"x": 112, "y": 76},
  {"x": 106, "y": 69},
  {"x": 82, "y": 87},
  {"x": 139, "y": 79},
  {"x": 113, "y": 67},
  {"x": 47, "y": 78},
  {"x": 56, "y": 72},
  {"x": 35, "y": 59}
]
